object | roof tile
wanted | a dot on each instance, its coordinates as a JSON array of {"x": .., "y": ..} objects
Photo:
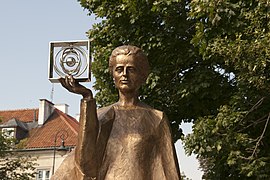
[
  {"x": 44, "y": 136},
  {"x": 24, "y": 115}
]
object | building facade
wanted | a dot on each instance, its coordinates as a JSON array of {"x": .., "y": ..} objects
[{"x": 46, "y": 133}]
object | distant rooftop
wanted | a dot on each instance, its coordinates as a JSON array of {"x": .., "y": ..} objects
[
  {"x": 24, "y": 115},
  {"x": 41, "y": 136}
]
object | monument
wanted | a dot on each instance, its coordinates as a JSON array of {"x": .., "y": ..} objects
[{"x": 128, "y": 140}]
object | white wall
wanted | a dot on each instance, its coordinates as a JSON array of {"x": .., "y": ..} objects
[{"x": 45, "y": 159}]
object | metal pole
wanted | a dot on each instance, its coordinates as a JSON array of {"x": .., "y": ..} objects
[{"x": 63, "y": 136}]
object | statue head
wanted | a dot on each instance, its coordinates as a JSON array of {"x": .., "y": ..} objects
[
  {"x": 129, "y": 50},
  {"x": 133, "y": 59}
]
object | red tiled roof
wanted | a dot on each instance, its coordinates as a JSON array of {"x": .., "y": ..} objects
[
  {"x": 72, "y": 122},
  {"x": 44, "y": 136},
  {"x": 24, "y": 115}
]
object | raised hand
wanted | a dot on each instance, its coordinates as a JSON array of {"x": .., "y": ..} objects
[{"x": 73, "y": 86}]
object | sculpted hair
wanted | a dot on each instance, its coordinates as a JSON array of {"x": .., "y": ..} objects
[{"x": 129, "y": 50}]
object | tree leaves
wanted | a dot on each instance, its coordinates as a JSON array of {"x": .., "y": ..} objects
[
  {"x": 12, "y": 165},
  {"x": 180, "y": 83},
  {"x": 235, "y": 36},
  {"x": 210, "y": 65}
]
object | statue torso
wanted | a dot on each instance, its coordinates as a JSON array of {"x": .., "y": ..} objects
[{"x": 132, "y": 143}]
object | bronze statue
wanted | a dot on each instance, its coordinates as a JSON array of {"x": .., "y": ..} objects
[{"x": 128, "y": 140}]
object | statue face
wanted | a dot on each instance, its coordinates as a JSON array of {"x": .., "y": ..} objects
[{"x": 126, "y": 74}]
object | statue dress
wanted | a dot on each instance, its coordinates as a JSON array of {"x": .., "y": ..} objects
[{"x": 121, "y": 143}]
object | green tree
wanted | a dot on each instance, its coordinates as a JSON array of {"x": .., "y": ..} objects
[
  {"x": 210, "y": 65},
  {"x": 184, "y": 177},
  {"x": 12, "y": 165},
  {"x": 235, "y": 142},
  {"x": 180, "y": 82}
]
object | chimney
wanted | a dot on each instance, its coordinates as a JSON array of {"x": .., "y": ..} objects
[
  {"x": 45, "y": 110},
  {"x": 62, "y": 107}
]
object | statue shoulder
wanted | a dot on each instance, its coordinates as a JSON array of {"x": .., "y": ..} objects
[
  {"x": 103, "y": 110},
  {"x": 158, "y": 114},
  {"x": 105, "y": 113}
]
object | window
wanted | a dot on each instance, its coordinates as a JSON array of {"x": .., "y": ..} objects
[
  {"x": 8, "y": 132},
  {"x": 43, "y": 174}
]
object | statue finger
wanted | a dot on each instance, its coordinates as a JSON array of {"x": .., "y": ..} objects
[
  {"x": 68, "y": 84},
  {"x": 72, "y": 81},
  {"x": 63, "y": 82}
]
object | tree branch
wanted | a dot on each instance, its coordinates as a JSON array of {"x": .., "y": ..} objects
[{"x": 257, "y": 144}]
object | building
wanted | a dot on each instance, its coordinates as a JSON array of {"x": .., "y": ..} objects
[{"x": 41, "y": 132}]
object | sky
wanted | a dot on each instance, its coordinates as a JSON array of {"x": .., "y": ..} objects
[{"x": 26, "y": 28}]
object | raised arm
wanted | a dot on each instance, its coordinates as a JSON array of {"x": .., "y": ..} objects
[{"x": 85, "y": 155}]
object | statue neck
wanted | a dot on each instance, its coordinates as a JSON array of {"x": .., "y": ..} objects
[{"x": 128, "y": 99}]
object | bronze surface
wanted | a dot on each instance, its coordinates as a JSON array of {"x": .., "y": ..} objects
[{"x": 127, "y": 140}]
